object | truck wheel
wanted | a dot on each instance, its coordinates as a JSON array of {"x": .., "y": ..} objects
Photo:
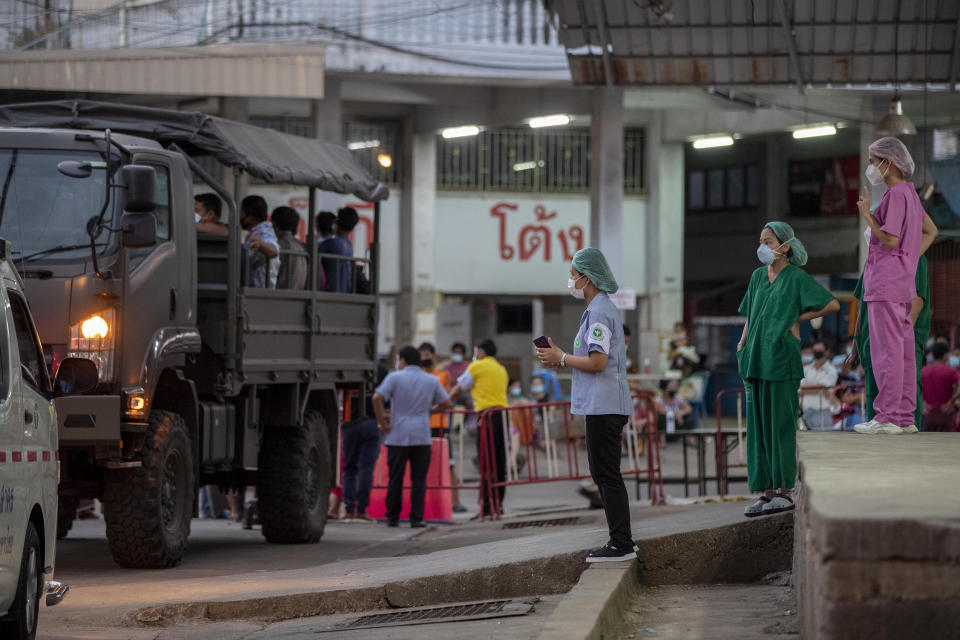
[
  {"x": 294, "y": 482},
  {"x": 148, "y": 508},
  {"x": 66, "y": 512},
  {"x": 21, "y": 622}
]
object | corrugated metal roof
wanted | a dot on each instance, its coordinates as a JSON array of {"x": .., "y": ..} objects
[{"x": 759, "y": 42}]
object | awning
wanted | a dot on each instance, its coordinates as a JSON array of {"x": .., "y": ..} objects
[{"x": 269, "y": 155}]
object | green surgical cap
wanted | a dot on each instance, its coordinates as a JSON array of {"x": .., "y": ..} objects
[
  {"x": 784, "y": 233},
  {"x": 592, "y": 264}
]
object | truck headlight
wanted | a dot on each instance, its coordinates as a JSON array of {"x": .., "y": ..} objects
[{"x": 92, "y": 338}]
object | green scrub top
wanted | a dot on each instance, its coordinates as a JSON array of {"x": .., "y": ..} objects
[
  {"x": 921, "y": 328},
  {"x": 771, "y": 351}
]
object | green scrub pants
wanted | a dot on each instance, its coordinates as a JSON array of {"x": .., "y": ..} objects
[{"x": 772, "y": 409}]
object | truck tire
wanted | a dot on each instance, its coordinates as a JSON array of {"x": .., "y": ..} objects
[
  {"x": 21, "y": 621},
  {"x": 66, "y": 513},
  {"x": 147, "y": 509},
  {"x": 294, "y": 482}
]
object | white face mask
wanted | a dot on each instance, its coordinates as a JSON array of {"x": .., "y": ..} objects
[
  {"x": 572, "y": 288},
  {"x": 196, "y": 216},
  {"x": 457, "y": 357},
  {"x": 765, "y": 254},
  {"x": 874, "y": 175}
]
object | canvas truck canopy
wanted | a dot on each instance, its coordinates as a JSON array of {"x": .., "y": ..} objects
[{"x": 269, "y": 155}]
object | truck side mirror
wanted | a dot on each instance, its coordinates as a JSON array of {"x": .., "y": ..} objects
[
  {"x": 139, "y": 230},
  {"x": 141, "y": 183},
  {"x": 75, "y": 376}
]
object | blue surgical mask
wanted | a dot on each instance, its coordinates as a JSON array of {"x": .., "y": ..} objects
[
  {"x": 954, "y": 361},
  {"x": 456, "y": 357},
  {"x": 536, "y": 389},
  {"x": 807, "y": 358}
]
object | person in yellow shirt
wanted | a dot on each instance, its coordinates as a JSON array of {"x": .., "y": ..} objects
[{"x": 486, "y": 380}]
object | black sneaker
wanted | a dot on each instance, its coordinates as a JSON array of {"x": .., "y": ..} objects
[
  {"x": 418, "y": 524},
  {"x": 393, "y": 523},
  {"x": 610, "y": 553}
]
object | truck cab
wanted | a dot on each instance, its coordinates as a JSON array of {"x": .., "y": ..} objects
[{"x": 29, "y": 466}]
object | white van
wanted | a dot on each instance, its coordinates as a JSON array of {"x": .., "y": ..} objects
[{"x": 29, "y": 465}]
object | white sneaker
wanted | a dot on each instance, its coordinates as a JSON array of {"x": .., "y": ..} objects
[
  {"x": 874, "y": 427},
  {"x": 911, "y": 429}
]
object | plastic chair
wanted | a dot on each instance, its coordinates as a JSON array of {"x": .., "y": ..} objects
[{"x": 699, "y": 380}]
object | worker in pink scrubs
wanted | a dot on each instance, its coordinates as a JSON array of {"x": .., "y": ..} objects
[{"x": 897, "y": 228}]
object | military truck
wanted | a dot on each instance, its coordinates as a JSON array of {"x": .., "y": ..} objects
[{"x": 203, "y": 380}]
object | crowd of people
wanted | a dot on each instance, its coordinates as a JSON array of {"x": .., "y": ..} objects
[{"x": 273, "y": 255}]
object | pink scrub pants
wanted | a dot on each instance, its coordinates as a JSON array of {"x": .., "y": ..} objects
[{"x": 894, "y": 361}]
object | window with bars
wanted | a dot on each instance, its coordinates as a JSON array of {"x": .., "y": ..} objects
[
  {"x": 546, "y": 160},
  {"x": 723, "y": 188},
  {"x": 375, "y": 144}
]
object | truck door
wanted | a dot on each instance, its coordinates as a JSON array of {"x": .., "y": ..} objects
[
  {"x": 12, "y": 479},
  {"x": 154, "y": 297}
]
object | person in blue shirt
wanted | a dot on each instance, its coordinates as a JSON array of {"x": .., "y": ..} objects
[
  {"x": 600, "y": 392},
  {"x": 338, "y": 272},
  {"x": 413, "y": 394}
]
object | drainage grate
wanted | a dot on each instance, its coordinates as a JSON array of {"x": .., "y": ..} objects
[
  {"x": 556, "y": 522},
  {"x": 450, "y": 613}
]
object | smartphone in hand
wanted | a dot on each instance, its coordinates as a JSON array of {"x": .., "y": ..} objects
[{"x": 542, "y": 343}]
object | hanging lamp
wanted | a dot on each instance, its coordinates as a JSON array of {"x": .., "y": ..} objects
[{"x": 895, "y": 123}]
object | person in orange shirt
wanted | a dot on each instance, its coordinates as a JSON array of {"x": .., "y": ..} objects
[{"x": 428, "y": 355}]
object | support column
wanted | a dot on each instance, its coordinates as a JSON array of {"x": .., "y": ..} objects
[
  {"x": 238, "y": 110},
  {"x": 327, "y": 116},
  {"x": 665, "y": 240},
  {"x": 873, "y": 110},
  {"x": 417, "y": 304},
  {"x": 606, "y": 175}
]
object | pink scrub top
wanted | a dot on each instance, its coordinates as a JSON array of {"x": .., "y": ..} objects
[{"x": 890, "y": 274}]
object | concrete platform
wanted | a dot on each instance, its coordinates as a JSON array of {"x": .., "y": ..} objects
[{"x": 878, "y": 536}]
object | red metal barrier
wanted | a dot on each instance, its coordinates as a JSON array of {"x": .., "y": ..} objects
[{"x": 642, "y": 423}]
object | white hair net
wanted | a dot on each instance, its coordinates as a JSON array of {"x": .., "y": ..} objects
[{"x": 894, "y": 151}]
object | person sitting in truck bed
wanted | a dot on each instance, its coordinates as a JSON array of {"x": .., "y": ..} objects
[
  {"x": 339, "y": 271},
  {"x": 261, "y": 245},
  {"x": 207, "y": 208},
  {"x": 293, "y": 257}
]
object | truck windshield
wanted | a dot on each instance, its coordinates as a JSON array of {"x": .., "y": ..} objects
[{"x": 44, "y": 213}]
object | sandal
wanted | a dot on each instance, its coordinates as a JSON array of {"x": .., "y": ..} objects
[
  {"x": 778, "y": 504},
  {"x": 757, "y": 508}
]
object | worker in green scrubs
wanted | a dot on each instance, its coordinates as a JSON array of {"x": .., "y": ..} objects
[
  {"x": 779, "y": 297},
  {"x": 919, "y": 314}
]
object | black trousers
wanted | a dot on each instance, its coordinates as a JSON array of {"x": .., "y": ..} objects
[
  {"x": 500, "y": 462},
  {"x": 604, "y": 435},
  {"x": 397, "y": 457}
]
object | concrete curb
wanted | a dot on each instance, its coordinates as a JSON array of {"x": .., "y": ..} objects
[
  {"x": 742, "y": 552},
  {"x": 542, "y": 576},
  {"x": 591, "y": 610}
]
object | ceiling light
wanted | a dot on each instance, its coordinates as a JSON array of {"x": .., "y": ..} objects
[
  {"x": 526, "y": 166},
  {"x": 385, "y": 160},
  {"x": 460, "y": 132},
  {"x": 815, "y": 132},
  {"x": 712, "y": 142},
  {"x": 356, "y": 145},
  {"x": 557, "y": 120},
  {"x": 895, "y": 123}
]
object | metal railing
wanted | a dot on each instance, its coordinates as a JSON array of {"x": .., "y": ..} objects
[{"x": 561, "y": 438}]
